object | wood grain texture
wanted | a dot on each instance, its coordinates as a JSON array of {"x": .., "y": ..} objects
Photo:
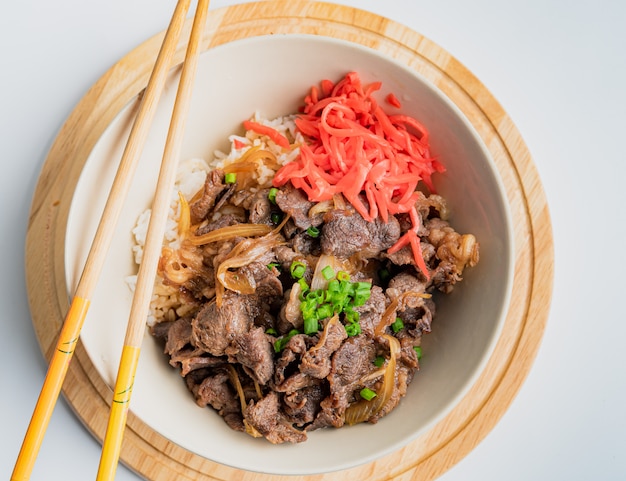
[{"x": 150, "y": 454}]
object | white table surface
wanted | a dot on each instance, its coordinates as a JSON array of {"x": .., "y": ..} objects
[{"x": 559, "y": 70}]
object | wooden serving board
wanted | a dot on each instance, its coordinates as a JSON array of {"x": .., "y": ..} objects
[{"x": 150, "y": 454}]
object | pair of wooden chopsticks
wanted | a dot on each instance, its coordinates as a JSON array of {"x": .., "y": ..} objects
[{"x": 75, "y": 317}]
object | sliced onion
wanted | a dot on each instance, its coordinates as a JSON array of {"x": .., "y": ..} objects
[
  {"x": 230, "y": 232},
  {"x": 363, "y": 410},
  {"x": 244, "y": 253},
  {"x": 234, "y": 380},
  {"x": 247, "y": 167},
  {"x": 184, "y": 220},
  {"x": 332, "y": 321},
  {"x": 318, "y": 281}
]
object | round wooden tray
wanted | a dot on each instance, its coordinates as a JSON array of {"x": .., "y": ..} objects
[{"x": 146, "y": 451}]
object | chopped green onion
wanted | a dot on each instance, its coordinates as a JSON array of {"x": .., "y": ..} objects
[
  {"x": 418, "y": 351},
  {"x": 311, "y": 325},
  {"x": 273, "y": 265},
  {"x": 271, "y": 331},
  {"x": 271, "y": 195},
  {"x": 297, "y": 269},
  {"x": 351, "y": 315},
  {"x": 280, "y": 344},
  {"x": 397, "y": 325},
  {"x": 275, "y": 217},
  {"x": 343, "y": 276},
  {"x": 313, "y": 231},
  {"x": 353, "y": 329},
  {"x": 328, "y": 273},
  {"x": 379, "y": 361},
  {"x": 367, "y": 394},
  {"x": 324, "y": 311},
  {"x": 304, "y": 289},
  {"x": 230, "y": 178}
]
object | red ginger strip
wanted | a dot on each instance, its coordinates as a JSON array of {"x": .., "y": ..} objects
[{"x": 354, "y": 148}]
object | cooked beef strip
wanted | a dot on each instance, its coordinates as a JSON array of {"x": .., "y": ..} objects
[
  {"x": 260, "y": 208},
  {"x": 303, "y": 243},
  {"x": 215, "y": 390},
  {"x": 266, "y": 281},
  {"x": 371, "y": 312},
  {"x": 254, "y": 351},
  {"x": 213, "y": 328},
  {"x": 301, "y": 406},
  {"x": 286, "y": 364},
  {"x": 294, "y": 202},
  {"x": 223, "y": 221},
  {"x": 193, "y": 359},
  {"x": 346, "y": 232},
  {"x": 316, "y": 360},
  {"x": 350, "y": 363},
  {"x": 267, "y": 418},
  {"x": 213, "y": 187}
]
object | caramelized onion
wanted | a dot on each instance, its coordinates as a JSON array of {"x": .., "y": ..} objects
[
  {"x": 248, "y": 165},
  {"x": 363, "y": 410},
  {"x": 389, "y": 316},
  {"x": 234, "y": 380},
  {"x": 325, "y": 260},
  {"x": 230, "y": 232},
  {"x": 332, "y": 321},
  {"x": 245, "y": 252}
]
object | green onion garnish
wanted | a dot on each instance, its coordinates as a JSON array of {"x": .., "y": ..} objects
[
  {"x": 313, "y": 231},
  {"x": 311, "y": 325},
  {"x": 418, "y": 351},
  {"x": 379, "y": 361},
  {"x": 397, "y": 325},
  {"x": 367, "y": 394},
  {"x": 275, "y": 217},
  {"x": 280, "y": 344},
  {"x": 273, "y": 265},
  {"x": 328, "y": 273},
  {"x": 297, "y": 269},
  {"x": 271, "y": 331},
  {"x": 271, "y": 195},
  {"x": 353, "y": 329},
  {"x": 230, "y": 178}
]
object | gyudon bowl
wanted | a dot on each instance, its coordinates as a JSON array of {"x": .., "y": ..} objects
[{"x": 269, "y": 76}]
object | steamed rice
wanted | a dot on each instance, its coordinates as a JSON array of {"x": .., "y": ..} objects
[{"x": 166, "y": 303}]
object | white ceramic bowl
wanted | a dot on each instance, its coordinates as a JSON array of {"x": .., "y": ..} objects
[{"x": 271, "y": 74}]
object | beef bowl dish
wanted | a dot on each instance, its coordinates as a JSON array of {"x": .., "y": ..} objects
[{"x": 337, "y": 263}]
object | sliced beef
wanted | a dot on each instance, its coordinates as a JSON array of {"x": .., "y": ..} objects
[
  {"x": 192, "y": 359},
  {"x": 266, "y": 282},
  {"x": 214, "y": 328},
  {"x": 370, "y": 313},
  {"x": 267, "y": 418},
  {"x": 260, "y": 208},
  {"x": 350, "y": 363},
  {"x": 223, "y": 221},
  {"x": 301, "y": 406},
  {"x": 316, "y": 360},
  {"x": 215, "y": 390},
  {"x": 254, "y": 351},
  {"x": 213, "y": 187},
  {"x": 294, "y": 202},
  {"x": 302, "y": 243},
  {"x": 345, "y": 233}
]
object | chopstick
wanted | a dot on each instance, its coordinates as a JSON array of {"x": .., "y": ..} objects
[
  {"x": 77, "y": 312},
  {"x": 152, "y": 250}
]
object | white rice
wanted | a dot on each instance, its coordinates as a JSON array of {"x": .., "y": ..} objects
[{"x": 166, "y": 303}]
